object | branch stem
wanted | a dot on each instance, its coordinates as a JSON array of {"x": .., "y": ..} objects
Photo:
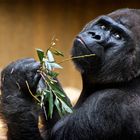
[
  {"x": 76, "y": 57},
  {"x": 31, "y": 92}
]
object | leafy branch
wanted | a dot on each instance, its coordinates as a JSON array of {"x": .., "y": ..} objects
[{"x": 52, "y": 94}]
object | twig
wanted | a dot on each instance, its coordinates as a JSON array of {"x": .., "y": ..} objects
[
  {"x": 76, "y": 57},
  {"x": 31, "y": 92}
]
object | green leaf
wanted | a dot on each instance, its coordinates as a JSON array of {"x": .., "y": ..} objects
[
  {"x": 48, "y": 65},
  {"x": 65, "y": 107},
  {"x": 47, "y": 94},
  {"x": 58, "y": 92},
  {"x": 56, "y": 52},
  {"x": 57, "y": 104},
  {"x": 40, "y": 54},
  {"x": 55, "y": 66},
  {"x": 53, "y": 74},
  {"x": 50, "y": 56},
  {"x": 51, "y": 105}
]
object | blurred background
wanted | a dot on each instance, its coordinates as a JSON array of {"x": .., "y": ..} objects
[{"x": 29, "y": 24}]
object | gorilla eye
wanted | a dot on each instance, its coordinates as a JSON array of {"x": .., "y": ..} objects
[{"x": 117, "y": 35}]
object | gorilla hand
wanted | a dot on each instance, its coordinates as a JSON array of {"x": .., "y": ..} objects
[
  {"x": 19, "y": 110},
  {"x": 17, "y": 73}
]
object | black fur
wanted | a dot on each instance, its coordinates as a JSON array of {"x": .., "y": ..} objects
[{"x": 109, "y": 105}]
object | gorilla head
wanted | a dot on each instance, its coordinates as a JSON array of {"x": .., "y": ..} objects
[{"x": 114, "y": 39}]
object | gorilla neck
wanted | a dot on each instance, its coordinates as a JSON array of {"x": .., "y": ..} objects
[
  {"x": 90, "y": 86},
  {"x": 88, "y": 89}
]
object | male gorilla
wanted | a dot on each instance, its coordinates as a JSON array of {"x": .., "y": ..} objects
[{"x": 109, "y": 105}]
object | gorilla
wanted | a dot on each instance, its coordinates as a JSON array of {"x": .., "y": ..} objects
[{"x": 109, "y": 105}]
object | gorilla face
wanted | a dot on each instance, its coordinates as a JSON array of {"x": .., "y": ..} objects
[{"x": 115, "y": 46}]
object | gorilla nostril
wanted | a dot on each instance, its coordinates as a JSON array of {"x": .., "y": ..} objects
[
  {"x": 91, "y": 33},
  {"x": 98, "y": 37}
]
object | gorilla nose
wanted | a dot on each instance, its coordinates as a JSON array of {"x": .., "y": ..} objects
[{"x": 95, "y": 36}]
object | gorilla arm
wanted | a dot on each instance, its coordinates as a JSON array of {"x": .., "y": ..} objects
[
  {"x": 104, "y": 115},
  {"x": 19, "y": 109},
  {"x": 18, "y": 106}
]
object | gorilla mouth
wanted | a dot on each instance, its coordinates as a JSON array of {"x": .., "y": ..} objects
[
  {"x": 80, "y": 48},
  {"x": 82, "y": 43},
  {"x": 81, "y": 40}
]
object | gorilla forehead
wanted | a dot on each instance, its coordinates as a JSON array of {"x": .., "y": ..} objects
[
  {"x": 114, "y": 23},
  {"x": 130, "y": 18}
]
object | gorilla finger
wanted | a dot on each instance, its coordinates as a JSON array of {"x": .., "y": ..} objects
[
  {"x": 25, "y": 61},
  {"x": 21, "y": 63},
  {"x": 34, "y": 66}
]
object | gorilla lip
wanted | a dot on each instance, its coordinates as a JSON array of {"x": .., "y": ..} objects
[
  {"x": 83, "y": 43},
  {"x": 80, "y": 39}
]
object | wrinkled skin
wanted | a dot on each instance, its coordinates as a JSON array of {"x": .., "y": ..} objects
[{"x": 109, "y": 105}]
